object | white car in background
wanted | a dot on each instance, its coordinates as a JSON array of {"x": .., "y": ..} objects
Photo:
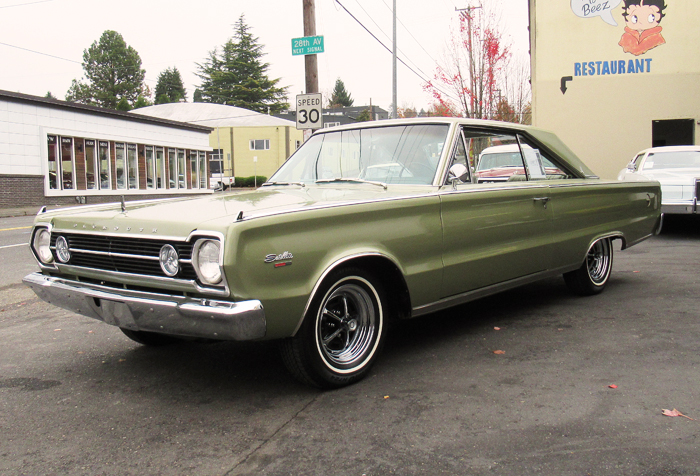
[{"x": 677, "y": 168}]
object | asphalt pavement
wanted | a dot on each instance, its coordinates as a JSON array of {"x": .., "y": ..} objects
[{"x": 578, "y": 387}]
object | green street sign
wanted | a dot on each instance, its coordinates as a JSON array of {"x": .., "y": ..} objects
[{"x": 308, "y": 45}]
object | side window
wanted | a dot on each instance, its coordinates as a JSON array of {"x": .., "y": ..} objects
[
  {"x": 637, "y": 161},
  {"x": 540, "y": 165},
  {"x": 494, "y": 156}
]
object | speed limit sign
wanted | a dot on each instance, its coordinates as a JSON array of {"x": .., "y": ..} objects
[{"x": 309, "y": 111}]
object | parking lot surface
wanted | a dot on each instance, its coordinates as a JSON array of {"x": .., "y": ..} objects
[{"x": 577, "y": 388}]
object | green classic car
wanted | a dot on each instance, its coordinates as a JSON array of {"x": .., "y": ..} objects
[{"x": 363, "y": 225}]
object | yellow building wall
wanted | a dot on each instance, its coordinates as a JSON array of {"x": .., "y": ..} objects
[
  {"x": 606, "y": 117},
  {"x": 239, "y": 159}
]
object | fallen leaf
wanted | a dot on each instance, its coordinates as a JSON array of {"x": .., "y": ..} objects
[
  {"x": 499, "y": 352},
  {"x": 612, "y": 386},
  {"x": 57, "y": 330},
  {"x": 635, "y": 271},
  {"x": 386, "y": 397},
  {"x": 496, "y": 328},
  {"x": 675, "y": 412}
]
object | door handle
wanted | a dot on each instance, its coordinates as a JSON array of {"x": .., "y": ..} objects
[{"x": 542, "y": 200}]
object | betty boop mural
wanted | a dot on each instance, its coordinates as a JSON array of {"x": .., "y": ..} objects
[{"x": 642, "y": 30}]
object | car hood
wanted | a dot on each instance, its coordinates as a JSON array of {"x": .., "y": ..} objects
[
  {"x": 684, "y": 176},
  {"x": 180, "y": 216}
]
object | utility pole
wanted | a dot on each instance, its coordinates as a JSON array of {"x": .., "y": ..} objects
[
  {"x": 310, "y": 61},
  {"x": 394, "y": 113},
  {"x": 466, "y": 13}
]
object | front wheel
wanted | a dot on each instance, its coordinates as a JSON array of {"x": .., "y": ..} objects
[
  {"x": 593, "y": 274},
  {"x": 342, "y": 333}
]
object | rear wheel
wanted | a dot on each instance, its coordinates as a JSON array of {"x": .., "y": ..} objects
[
  {"x": 152, "y": 339},
  {"x": 342, "y": 333},
  {"x": 593, "y": 274}
]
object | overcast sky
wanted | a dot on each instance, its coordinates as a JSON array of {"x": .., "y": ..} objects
[{"x": 42, "y": 41}]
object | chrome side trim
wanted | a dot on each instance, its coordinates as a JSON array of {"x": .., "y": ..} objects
[
  {"x": 151, "y": 312},
  {"x": 487, "y": 291}
]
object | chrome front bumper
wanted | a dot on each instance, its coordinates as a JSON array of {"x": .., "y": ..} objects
[{"x": 142, "y": 311}]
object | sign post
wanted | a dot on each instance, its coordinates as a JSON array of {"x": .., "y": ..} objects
[{"x": 309, "y": 111}]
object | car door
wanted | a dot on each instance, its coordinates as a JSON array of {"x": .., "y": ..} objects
[{"x": 497, "y": 231}]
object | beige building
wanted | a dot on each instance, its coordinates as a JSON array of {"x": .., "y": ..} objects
[
  {"x": 249, "y": 143},
  {"x": 613, "y": 77}
]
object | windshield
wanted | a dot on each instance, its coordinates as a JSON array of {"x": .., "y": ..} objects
[
  {"x": 393, "y": 155},
  {"x": 673, "y": 160}
]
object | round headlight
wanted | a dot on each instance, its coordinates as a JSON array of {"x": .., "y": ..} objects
[
  {"x": 169, "y": 262},
  {"x": 206, "y": 260},
  {"x": 42, "y": 246},
  {"x": 62, "y": 251}
]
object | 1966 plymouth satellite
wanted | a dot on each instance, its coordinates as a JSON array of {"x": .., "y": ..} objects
[{"x": 363, "y": 225}]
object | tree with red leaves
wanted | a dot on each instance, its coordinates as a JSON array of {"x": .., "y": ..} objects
[{"x": 473, "y": 79}]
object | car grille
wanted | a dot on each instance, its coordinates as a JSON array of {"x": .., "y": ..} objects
[{"x": 124, "y": 255}]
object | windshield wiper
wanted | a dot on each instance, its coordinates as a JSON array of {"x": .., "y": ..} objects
[
  {"x": 353, "y": 180},
  {"x": 301, "y": 184}
]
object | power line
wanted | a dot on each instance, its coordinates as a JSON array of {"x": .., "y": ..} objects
[
  {"x": 389, "y": 50},
  {"x": 399, "y": 49},
  {"x": 25, "y": 4},
  {"x": 40, "y": 53},
  {"x": 58, "y": 57}
]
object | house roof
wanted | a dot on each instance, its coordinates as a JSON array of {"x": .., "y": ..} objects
[
  {"x": 77, "y": 107},
  {"x": 213, "y": 115}
]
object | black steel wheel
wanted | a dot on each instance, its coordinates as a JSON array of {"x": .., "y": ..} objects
[
  {"x": 342, "y": 333},
  {"x": 594, "y": 273}
]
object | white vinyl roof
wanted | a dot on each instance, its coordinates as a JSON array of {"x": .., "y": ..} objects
[{"x": 212, "y": 115}]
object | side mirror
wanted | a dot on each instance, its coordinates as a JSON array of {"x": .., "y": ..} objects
[{"x": 458, "y": 173}]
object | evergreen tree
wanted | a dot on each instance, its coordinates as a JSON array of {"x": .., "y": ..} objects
[
  {"x": 340, "y": 97},
  {"x": 170, "y": 87},
  {"x": 197, "y": 96},
  {"x": 113, "y": 72},
  {"x": 364, "y": 116},
  {"x": 237, "y": 76}
]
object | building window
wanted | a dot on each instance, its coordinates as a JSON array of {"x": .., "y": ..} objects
[
  {"x": 150, "y": 167},
  {"x": 262, "y": 144},
  {"x": 194, "y": 182},
  {"x": 120, "y": 151},
  {"x": 133, "y": 166},
  {"x": 67, "y": 179},
  {"x": 172, "y": 168},
  {"x": 91, "y": 176},
  {"x": 297, "y": 144},
  {"x": 181, "y": 169},
  {"x": 53, "y": 162},
  {"x": 160, "y": 168},
  {"x": 105, "y": 176},
  {"x": 202, "y": 169},
  {"x": 216, "y": 161}
]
